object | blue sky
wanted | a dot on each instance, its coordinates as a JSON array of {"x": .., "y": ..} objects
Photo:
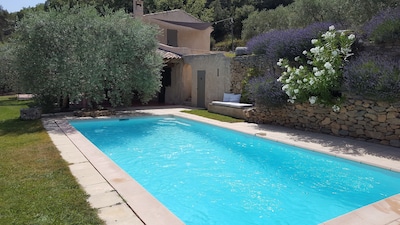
[{"x": 17, "y": 5}]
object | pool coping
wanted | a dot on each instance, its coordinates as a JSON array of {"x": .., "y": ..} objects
[{"x": 121, "y": 200}]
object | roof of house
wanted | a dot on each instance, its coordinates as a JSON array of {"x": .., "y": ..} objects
[
  {"x": 178, "y": 17},
  {"x": 168, "y": 55},
  {"x": 197, "y": 25}
]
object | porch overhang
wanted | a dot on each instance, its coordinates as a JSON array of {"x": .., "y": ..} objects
[{"x": 169, "y": 57}]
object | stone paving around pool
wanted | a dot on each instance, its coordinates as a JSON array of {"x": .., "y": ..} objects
[{"x": 121, "y": 200}]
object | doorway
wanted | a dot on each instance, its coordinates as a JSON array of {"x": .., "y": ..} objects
[{"x": 166, "y": 82}]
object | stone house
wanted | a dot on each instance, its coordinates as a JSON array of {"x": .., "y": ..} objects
[{"x": 193, "y": 75}]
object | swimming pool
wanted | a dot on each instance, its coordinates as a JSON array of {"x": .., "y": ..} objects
[{"x": 224, "y": 177}]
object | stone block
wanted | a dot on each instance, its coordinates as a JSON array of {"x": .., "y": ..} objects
[
  {"x": 392, "y": 137},
  {"x": 342, "y": 116},
  {"x": 382, "y": 118},
  {"x": 383, "y": 104},
  {"x": 335, "y": 126},
  {"x": 335, "y": 131},
  {"x": 395, "y": 121},
  {"x": 392, "y": 115},
  {"x": 379, "y": 109},
  {"x": 326, "y": 121},
  {"x": 374, "y": 135},
  {"x": 366, "y": 105},
  {"x": 382, "y": 128},
  {"x": 360, "y": 132},
  {"x": 351, "y": 113},
  {"x": 31, "y": 113},
  {"x": 362, "y": 122}
]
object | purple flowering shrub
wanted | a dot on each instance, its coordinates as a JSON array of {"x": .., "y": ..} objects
[
  {"x": 288, "y": 43},
  {"x": 384, "y": 27},
  {"x": 266, "y": 90},
  {"x": 373, "y": 77}
]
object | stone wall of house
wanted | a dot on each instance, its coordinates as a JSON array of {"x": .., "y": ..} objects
[
  {"x": 240, "y": 66},
  {"x": 358, "y": 118}
]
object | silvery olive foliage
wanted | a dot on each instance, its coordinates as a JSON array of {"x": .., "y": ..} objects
[
  {"x": 300, "y": 13},
  {"x": 8, "y": 78},
  {"x": 77, "y": 54}
]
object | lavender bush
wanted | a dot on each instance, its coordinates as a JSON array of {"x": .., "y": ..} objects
[
  {"x": 266, "y": 90},
  {"x": 286, "y": 43},
  {"x": 384, "y": 27},
  {"x": 373, "y": 77}
]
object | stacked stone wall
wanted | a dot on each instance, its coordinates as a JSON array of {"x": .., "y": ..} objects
[{"x": 358, "y": 118}]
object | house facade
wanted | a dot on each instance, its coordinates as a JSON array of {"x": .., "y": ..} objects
[{"x": 193, "y": 75}]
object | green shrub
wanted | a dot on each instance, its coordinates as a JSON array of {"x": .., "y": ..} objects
[
  {"x": 226, "y": 45},
  {"x": 388, "y": 31},
  {"x": 266, "y": 90},
  {"x": 373, "y": 77},
  {"x": 384, "y": 27}
]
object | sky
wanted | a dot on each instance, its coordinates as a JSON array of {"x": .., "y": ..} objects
[{"x": 16, "y": 5}]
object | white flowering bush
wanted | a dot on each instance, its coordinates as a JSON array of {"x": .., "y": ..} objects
[{"x": 317, "y": 76}]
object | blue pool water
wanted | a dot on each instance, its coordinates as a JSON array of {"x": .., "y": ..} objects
[{"x": 207, "y": 175}]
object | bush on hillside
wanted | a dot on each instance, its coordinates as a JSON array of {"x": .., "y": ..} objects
[
  {"x": 266, "y": 90},
  {"x": 373, "y": 77},
  {"x": 286, "y": 43},
  {"x": 384, "y": 27},
  {"x": 226, "y": 45}
]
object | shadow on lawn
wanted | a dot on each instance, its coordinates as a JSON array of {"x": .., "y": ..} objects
[{"x": 19, "y": 127}]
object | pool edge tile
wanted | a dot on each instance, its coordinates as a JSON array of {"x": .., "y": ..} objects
[
  {"x": 142, "y": 203},
  {"x": 379, "y": 213}
]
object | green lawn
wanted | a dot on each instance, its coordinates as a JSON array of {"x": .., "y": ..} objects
[
  {"x": 36, "y": 184},
  {"x": 215, "y": 116}
]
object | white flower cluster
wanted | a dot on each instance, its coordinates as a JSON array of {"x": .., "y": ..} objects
[{"x": 312, "y": 81}]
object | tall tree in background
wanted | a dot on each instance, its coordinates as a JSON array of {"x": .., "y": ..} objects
[
  {"x": 74, "y": 54},
  {"x": 206, "y": 10},
  {"x": 223, "y": 25},
  {"x": 301, "y": 13},
  {"x": 5, "y": 24},
  {"x": 270, "y": 4},
  {"x": 8, "y": 77},
  {"x": 197, "y": 8},
  {"x": 126, "y": 5}
]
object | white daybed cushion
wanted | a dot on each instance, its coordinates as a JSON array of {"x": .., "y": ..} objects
[{"x": 232, "y": 104}]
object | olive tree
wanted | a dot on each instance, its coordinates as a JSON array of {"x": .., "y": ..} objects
[
  {"x": 301, "y": 13},
  {"x": 74, "y": 54},
  {"x": 8, "y": 77}
]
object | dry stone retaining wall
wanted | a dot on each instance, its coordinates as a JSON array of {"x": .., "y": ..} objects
[{"x": 358, "y": 118}]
